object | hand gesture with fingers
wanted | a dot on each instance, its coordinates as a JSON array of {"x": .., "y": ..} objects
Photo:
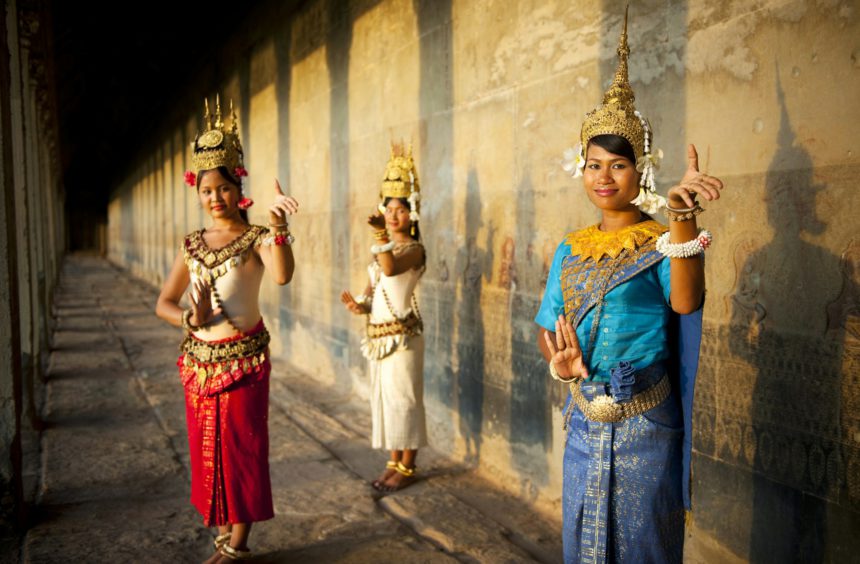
[
  {"x": 200, "y": 297},
  {"x": 282, "y": 206},
  {"x": 377, "y": 221},
  {"x": 565, "y": 352},
  {"x": 351, "y": 304},
  {"x": 693, "y": 183}
]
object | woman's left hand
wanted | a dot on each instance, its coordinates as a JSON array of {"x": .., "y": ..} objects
[
  {"x": 282, "y": 206},
  {"x": 377, "y": 221},
  {"x": 352, "y": 305},
  {"x": 694, "y": 183}
]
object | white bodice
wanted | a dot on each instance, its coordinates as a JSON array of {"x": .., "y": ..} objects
[
  {"x": 398, "y": 288},
  {"x": 237, "y": 280}
]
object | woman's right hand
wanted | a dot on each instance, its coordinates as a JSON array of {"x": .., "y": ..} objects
[
  {"x": 200, "y": 297},
  {"x": 350, "y": 303},
  {"x": 565, "y": 352}
]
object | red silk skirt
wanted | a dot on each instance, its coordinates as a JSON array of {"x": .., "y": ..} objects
[{"x": 228, "y": 437}]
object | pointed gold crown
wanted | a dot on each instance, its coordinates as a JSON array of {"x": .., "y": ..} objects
[
  {"x": 218, "y": 145},
  {"x": 617, "y": 115},
  {"x": 401, "y": 178}
]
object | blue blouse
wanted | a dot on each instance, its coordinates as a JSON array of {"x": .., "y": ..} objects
[{"x": 633, "y": 325}]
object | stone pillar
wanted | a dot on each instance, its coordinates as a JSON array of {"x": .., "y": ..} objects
[
  {"x": 32, "y": 239},
  {"x": 11, "y": 490}
]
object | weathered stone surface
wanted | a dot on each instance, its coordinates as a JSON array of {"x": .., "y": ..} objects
[
  {"x": 458, "y": 528},
  {"x": 115, "y": 483},
  {"x": 120, "y": 529},
  {"x": 491, "y": 93},
  {"x": 363, "y": 551}
]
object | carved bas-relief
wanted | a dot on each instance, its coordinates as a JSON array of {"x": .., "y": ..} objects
[
  {"x": 775, "y": 388},
  {"x": 843, "y": 322}
]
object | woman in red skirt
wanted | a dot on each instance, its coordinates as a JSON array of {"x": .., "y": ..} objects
[{"x": 224, "y": 363}]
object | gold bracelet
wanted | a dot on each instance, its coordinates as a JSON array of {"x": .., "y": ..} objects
[
  {"x": 186, "y": 321},
  {"x": 682, "y": 214},
  {"x": 380, "y": 234}
]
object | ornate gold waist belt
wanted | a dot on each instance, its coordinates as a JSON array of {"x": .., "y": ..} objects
[
  {"x": 410, "y": 325},
  {"x": 604, "y": 409},
  {"x": 215, "y": 352}
]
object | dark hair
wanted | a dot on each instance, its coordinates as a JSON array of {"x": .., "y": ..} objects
[
  {"x": 614, "y": 144},
  {"x": 232, "y": 178},
  {"x": 405, "y": 203}
]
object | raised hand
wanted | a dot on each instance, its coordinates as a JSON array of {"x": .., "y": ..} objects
[
  {"x": 282, "y": 207},
  {"x": 351, "y": 304},
  {"x": 565, "y": 352},
  {"x": 693, "y": 183},
  {"x": 200, "y": 297},
  {"x": 377, "y": 221}
]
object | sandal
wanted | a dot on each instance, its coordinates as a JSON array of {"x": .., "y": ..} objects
[
  {"x": 221, "y": 540},
  {"x": 377, "y": 484},
  {"x": 235, "y": 553}
]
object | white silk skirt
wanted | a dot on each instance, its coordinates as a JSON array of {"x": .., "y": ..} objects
[{"x": 397, "y": 398}]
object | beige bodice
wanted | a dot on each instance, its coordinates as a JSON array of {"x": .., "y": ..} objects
[
  {"x": 399, "y": 290},
  {"x": 237, "y": 273},
  {"x": 394, "y": 315}
]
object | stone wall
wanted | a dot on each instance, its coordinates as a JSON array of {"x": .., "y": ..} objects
[
  {"x": 32, "y": 240},
  {"x": 490, "y": 93}
]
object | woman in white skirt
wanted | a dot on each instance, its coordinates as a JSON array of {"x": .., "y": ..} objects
[{"x": 394, "y": 345}]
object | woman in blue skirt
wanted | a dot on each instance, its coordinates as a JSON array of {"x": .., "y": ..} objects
[{"x": 621, "y": 325}]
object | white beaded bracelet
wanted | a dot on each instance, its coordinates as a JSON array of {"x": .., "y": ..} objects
[
  {"x": 685, "y": 250},
  {"x": 376, "y": 249},
  {"x": 270, "y": 240},
  {"x": 361, "y": 299}
]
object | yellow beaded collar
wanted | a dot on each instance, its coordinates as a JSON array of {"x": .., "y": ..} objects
[{"x": 593, "y": 243}]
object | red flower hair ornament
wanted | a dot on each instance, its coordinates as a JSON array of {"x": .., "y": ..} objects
[
  {"x": 240, "y": 172},
  {"x": 190, "y": 178},
  {"x": 245, "y": 203}
]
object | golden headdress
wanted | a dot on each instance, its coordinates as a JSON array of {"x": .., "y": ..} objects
[
  {"x": 217, "y": 146},
  {"x": 401, "y": 180},
  {"x": 618, "y": 116}
]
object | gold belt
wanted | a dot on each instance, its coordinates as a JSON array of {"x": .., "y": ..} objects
[
  {"x": 604, "y": 409},
  {"x": 203, "y": 351},
  {"x": 410, "y": 325}
]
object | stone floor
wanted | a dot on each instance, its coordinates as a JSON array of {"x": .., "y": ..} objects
[{"x": 115, "y": 478}]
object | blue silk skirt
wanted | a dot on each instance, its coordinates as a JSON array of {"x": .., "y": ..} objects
[{"x": 622, "y": 493}]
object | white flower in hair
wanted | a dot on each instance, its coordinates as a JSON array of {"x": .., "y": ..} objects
[
  {"x": 653, "y": 159},
  {"x": 574, "y": 160},
  {"x": 413, "y": 199},
  {"x": 649, "y": 202}
]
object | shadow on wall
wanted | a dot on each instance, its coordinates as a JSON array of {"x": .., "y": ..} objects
[
  {"x": 338, "y": 57},
  {"x": 798, "y": 467},
  {"x": 437, "y": 290},
  {"x": 282, "y": 38},
  {"x": 530, "y": 411},
  {"x": 474, "y": 264}
]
